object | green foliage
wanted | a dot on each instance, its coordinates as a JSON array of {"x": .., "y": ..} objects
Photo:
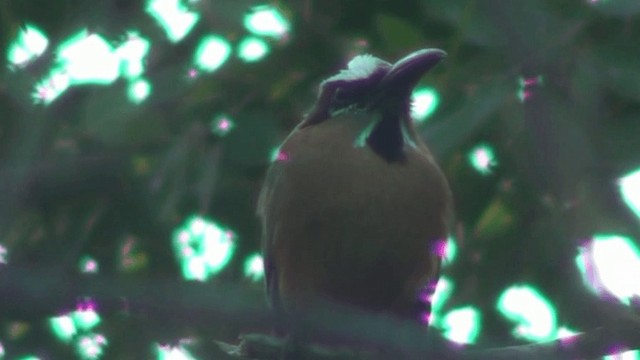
[{"x": 123, "y": 121}]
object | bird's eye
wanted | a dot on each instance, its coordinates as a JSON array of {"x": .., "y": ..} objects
[{"x": 342, "y": 96}]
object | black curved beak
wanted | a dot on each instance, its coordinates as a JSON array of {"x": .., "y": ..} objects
[{"x": 406, "y": 72}]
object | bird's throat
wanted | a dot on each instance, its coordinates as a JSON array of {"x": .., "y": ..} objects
[{"x": 387, "y": 139}]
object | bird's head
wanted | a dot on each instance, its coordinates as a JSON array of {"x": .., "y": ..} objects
[
  {"x": 374, "y": 86},
  {"x": 369, "y": 83}
]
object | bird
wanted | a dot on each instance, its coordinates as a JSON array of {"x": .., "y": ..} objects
[{"x": 354, "y": 208}]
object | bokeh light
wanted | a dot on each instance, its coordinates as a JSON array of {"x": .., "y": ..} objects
[
  {"x": 173, "y": 16},
  {"x": 450, "y": 252},
  {"x": 173, "y": 353},
  {"x": 82, "y": 59},
  {"x": 252, "y": 49},
  {"x": 267, "y": 21},
  {"x": 425, "y": 101},
  {"x": 630, "y": 190},
  {"x": 254, "y": 267},
  {"x": 139, "y": 90},
  {"x": 90, "y": 346},
  {"x": 85, "y": 319},
  {"x": 526, "y": 86},
  {"x": 222, "y": 124},
  {"x": 564, "y": 332},
  {"x": 610, "y": 264},
  {"x": 211, "y": 53},
  {"x": 483, "y": 159},
  {"x": 462, "y": 325},
  {"x": 624, "y": 355},
  {"x": 567, "y": 337},
  {"x": 202, "y": 247},
  {"x": 532, "y": 313},
  {"x": 30, "y": 43},
  {"x": 278, "y": 155},
  {"x": 63, "y": 327},
  {"x": 88, "y": 59},
  {"x": 132, "y": 54},
  {"x": 442, "y": 293},
  {"x": 88, "y": 265},
  {"x": 4, "y": 254},
  {"x": 52, "y": 86}
]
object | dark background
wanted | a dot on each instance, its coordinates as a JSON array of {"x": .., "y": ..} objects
[{"x": 92, "y": 171}]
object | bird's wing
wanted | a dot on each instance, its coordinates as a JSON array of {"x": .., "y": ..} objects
[{"x": 266, "y": 212}]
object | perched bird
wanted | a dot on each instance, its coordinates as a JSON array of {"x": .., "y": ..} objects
[{"x": 354, "y": 207}]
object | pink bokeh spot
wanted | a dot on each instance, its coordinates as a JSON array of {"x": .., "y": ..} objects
[
  {"x": 425, "y": 318},
  {"x": 91, "y": 266},
  {"x": 440, "y": 247},
  {"x": 223, "y": 124},
  {"x": 86, "y": 304},
  {"x": 616, "y": 351},
  {"x": 282, "y": 156},
  {"x": 568, "y": 340}
]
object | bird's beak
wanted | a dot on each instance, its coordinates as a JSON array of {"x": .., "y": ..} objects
[{"x": 406, "y": 72}]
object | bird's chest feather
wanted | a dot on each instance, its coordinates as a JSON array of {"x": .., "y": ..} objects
[{"x": 346, "y": 194}]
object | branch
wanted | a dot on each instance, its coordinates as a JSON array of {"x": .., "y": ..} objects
[{"x": 34, "y": 293}]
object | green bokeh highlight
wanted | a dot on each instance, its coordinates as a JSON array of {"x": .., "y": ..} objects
[
  {"x": 30, "y": 43},
  {"x": 425, "y": 101},
  {"x": 630, "y": 190},
  {"x": 202, "y": 247},
  {"x": 90, "y": 346},
  {"x": 624, "y": 355},
  {"x": 530, "y": 311},
  {"x": 132, "y": 54},
  {"x": 4, "y": 254},
  {"x": 462, "y": 325},
  {"x": 88, "y": 58},
  {"x": 173, "y": 16},
  {"x": 88, "y": 265},
  {"x": 444, "y": 290},
  {"x": 252, "y": 49},
  {"x": 611, "y": 263},
  {"x": 82, "y": 59},
  {"x": 254, "y": 267},
  {"x": 564, "y": 332},
  {"x": 451, "y": 251},
  {"x": 483, "y": 159},
  {"x": 63, "y": 327},
  {"x": 172, "y": 353},
  {"x": 211, "y": 53},
  {"x": 222, "y": 124},
  {"x": 66, "y": 327},
  {"x": 139, "y": 90},
  {"x": 85, "y": 319},
  {"x": 267, "y": 21}
]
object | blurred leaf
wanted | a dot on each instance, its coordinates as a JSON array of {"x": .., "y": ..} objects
[
  {"x": 495, "y": 221},
  {"x": 397, "y": 34},
  {"x": 623, "y": 8},
  {"x": 621, "y": 69},
  {"x": 473, "y": 26},
  {"x": 451, "y": 131},
  {"x": 243, "y": 148}
]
